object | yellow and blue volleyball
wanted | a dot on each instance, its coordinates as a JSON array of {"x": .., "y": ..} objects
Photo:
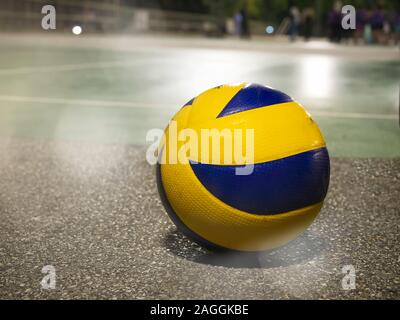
[{"x": 218, "y": 208}]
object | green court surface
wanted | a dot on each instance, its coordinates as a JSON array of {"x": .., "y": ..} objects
[{"x": 112, "y": 90}]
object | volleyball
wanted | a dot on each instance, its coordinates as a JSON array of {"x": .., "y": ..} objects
[{"x": 243, "y": 167}]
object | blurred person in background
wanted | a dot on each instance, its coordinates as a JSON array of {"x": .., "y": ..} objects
[
  {"x": 361, "y": 21},
  {"x": 294, "y": 21},
  {"x": 245, "y": 23},
  {"x": 238, "y": 18},
  {"x": 368, "y": 38},
  {"x": 396, "y": 28},
  {"x": 308, "y": 22},
  {"x": 377, "y": 24},
  {"x": 335, "y": 22},
  {"x": 387, "y": 31}
]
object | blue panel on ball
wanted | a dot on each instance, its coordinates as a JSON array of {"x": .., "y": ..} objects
[
  {"x": 274, "y": 187},
  {"x": 254, "y": 96},
  {"x": 189, "y": 103}
]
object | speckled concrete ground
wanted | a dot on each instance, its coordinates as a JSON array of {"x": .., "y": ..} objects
[{"x": 92, "y": 211}]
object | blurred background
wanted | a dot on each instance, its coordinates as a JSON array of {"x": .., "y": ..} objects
[
  {"x": 378, "y": 21},
  {"x": 77, "y": 102},
  {"x": 137, "y": 61}
]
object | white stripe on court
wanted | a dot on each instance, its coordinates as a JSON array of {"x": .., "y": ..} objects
[
  {"x": 352, "y": 115},
  {"x": 128, "y": 104},
  {"x": 80, "y": 102},
  {"x": 71, "y": 67}
]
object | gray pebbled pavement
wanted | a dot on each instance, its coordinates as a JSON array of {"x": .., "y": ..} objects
[{"x": 92, "y": 211}]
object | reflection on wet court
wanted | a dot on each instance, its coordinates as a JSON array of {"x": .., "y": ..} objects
[{"x": 77, "y": 89}]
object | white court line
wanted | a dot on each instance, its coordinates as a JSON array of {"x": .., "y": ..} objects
[
  {"x": 126, "y": 104},
  {"x": 71, "y": 67},
  {"x": 82, "y": 102},
  {"x": 352, "y": 115}
]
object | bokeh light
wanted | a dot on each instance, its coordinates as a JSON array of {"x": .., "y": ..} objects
[
  {"x": 269, "y": 29},
  {"x": 77, "y": 30}
]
